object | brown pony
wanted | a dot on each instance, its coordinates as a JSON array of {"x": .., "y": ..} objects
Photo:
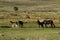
[
  {"x": 14, "y": 24},
  {"x": 49, "y": 22},
  {"x": 46, "y": 22}
]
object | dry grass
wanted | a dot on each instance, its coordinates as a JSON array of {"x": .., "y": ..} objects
[{"x": 33, "y": 16}]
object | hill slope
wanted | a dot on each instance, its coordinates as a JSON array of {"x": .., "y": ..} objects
[{"x": 29, "y": 4}]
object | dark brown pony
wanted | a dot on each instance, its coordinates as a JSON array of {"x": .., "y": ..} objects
[
  {"x": 20, "y": 23},
  {"x": 49, "y": 22},
  {"x": 40, "y": 23},
  {"x": 46, "y": 22}
]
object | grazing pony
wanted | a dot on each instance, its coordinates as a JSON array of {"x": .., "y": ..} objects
[
  {"x": 40, "y": 23},
  {"x": 45, "y": 22},
  {"x": 14, "y": 24},
  {"x": 20, "y": 23}
]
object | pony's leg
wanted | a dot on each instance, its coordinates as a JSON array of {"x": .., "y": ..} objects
[
  {"x": 53, "y": 25},
  {"x": 13, "y": 25},
  {"x": 39, "y": 26},
  {"x": 16, "y": 25},
  {"x": 21, "y": 25},
  {"x": 42, "y": 26},
  {"x": 46, "y": 25}
]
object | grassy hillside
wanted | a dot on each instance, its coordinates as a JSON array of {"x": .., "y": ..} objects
[
  {"x": 35, "y": 9},
  {"x": 29, "y": 4}
]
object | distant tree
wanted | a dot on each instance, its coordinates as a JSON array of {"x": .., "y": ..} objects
[{"x": 15, "y": 8}]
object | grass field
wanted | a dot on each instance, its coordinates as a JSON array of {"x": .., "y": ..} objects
[{"x": 29, "y": 33}]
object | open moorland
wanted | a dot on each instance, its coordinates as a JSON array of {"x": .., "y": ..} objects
[{"x": 29, "y": 11}]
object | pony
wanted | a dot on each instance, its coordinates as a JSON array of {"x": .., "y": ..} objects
[
  {"x": 40, "y": 23},
  {"x": 46, "y": 22},
  {"x": 20, "y": 23},
  {"x": 14, "y": 24}
]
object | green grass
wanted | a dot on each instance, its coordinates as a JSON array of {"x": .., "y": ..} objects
[{"x": 29, "y": 34}]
